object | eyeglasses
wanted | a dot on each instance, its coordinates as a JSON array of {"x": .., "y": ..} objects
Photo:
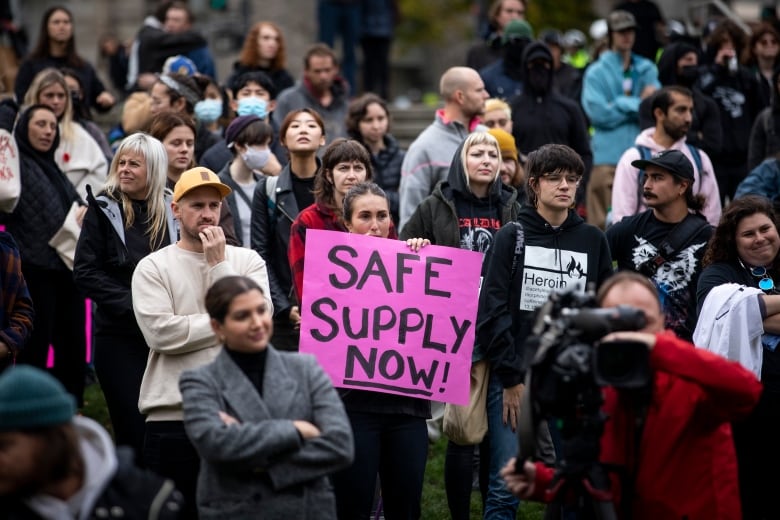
[
  {"x": 557, "y": 179},
  {"x": 765, "y": 283},
  {"x": 491, "y": 123}
]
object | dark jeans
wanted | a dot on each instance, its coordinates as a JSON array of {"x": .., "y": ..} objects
[
  {"x": 376, "y": 65},
  {"x": 120, "y": 361},
  {"x": 286, "y": 336},
  {"x": 458, "y": 476},
  {"x": 396, "y": 447},
  {"x": 758, "y": 455},
  {"x": 60, "y": 322},
  {"x": 341, "y": 18},
  {"x": 169, "y": 453}
]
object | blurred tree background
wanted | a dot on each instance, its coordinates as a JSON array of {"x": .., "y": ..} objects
[
  {"x": 559, "y": 14},
  {"x": 437, "y": 21}
]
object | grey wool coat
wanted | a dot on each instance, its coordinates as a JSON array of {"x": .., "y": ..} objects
[{"x": 261, "y": 468}]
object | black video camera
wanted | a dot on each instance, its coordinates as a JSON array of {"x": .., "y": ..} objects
[{"x": 567, "y": 356}]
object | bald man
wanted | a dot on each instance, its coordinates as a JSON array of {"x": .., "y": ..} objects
[{"x": 428, "y": 160}]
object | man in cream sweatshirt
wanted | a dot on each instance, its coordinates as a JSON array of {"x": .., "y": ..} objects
[{"x": 169, "y": 287}]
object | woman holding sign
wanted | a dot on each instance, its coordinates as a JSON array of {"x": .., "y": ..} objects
[
  {"x": 268, "y": 425},
  {"x": 390, "y": 435},
  {"x": 466, "y": 211}
]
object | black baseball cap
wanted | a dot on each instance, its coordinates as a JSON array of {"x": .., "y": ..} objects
[{"x": 673, "y": 161}]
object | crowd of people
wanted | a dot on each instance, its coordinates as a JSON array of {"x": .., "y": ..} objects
[{"x": 647, "y": 173}]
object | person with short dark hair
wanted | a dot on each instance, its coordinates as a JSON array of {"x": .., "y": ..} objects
[
  {"x": 269, "y": 426},
  {"x": 249, "y": 139},
  {"x": 321, "y": 89},
  {"x": 667, "y": 241},
  {"x": 254, "y": 94},
  {"x": 673, "y": 112},
  {"x": 549, "y": 247},
  {"x": 56, "y": 464},
  {"x": 660, "y": 439}
]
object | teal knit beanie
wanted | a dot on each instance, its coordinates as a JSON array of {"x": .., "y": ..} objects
[{"x": 30, "y": 398}]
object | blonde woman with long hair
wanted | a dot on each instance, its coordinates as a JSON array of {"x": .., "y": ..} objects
[
  {"x": 128, "y": 220},
  {"x": 79, "y": 156}
]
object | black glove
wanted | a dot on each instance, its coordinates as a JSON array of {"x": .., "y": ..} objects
[{"x": 8, "y": 111}]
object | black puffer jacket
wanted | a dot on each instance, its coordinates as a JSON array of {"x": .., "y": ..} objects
[{"x": 45, "y": 200}]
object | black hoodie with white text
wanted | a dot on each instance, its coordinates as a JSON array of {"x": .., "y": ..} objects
[{"x": 574, "y": 255}]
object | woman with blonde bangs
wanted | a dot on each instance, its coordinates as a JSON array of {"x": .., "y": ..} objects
[
  {"x": 125, "y": 222},
  {"x": 79, "y": 156},
  {"x": 466, "y": 211},
  {"x": 264, "y": 50}
]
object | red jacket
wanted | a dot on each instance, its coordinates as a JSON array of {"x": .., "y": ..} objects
[
  {"x": 687, "y": 464},
  {"x": 316, "y": 216}
]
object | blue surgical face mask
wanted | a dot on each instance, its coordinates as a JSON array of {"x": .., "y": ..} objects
[
  {"x": 253, "y": 106},
  {"x": 256, "y": 158},
  {"x": 208, "y": 110}
]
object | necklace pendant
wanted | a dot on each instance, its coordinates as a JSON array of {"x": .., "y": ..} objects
[{"x": 766, "y": 284}]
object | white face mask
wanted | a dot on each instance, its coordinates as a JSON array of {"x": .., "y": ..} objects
[{"x": 256, "y": 158}]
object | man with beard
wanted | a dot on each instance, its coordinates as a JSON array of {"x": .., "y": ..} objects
[
  {"x": 679, "y": 65},
  {"x": 666, "y": 243},
  {"x": 673, "y": 112},
  {"x": 542, "y": 116},
  {"x": 169, "y": 287},
  {"x": 429, "y": 156}
]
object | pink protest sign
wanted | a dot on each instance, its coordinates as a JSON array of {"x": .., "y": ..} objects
[{"x": 380, "y": 317}]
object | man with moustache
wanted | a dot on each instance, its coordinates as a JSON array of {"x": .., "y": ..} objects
[
  {"x": 169, "y": 287},
  {"x": 666, "y": 243},
  {"x": 673, "y": 112}
]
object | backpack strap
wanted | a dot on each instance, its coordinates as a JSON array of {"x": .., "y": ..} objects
[
  {"x": 696, "y": 154},
  {"x": 674, "y": 242},
  {"x": 270, "y": 194}
]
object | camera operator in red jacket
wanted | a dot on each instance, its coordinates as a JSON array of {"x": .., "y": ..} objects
[{"x": 682, "y": 461}]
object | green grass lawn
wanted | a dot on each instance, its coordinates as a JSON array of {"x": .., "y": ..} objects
[{"x": 434, "y": 501}]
